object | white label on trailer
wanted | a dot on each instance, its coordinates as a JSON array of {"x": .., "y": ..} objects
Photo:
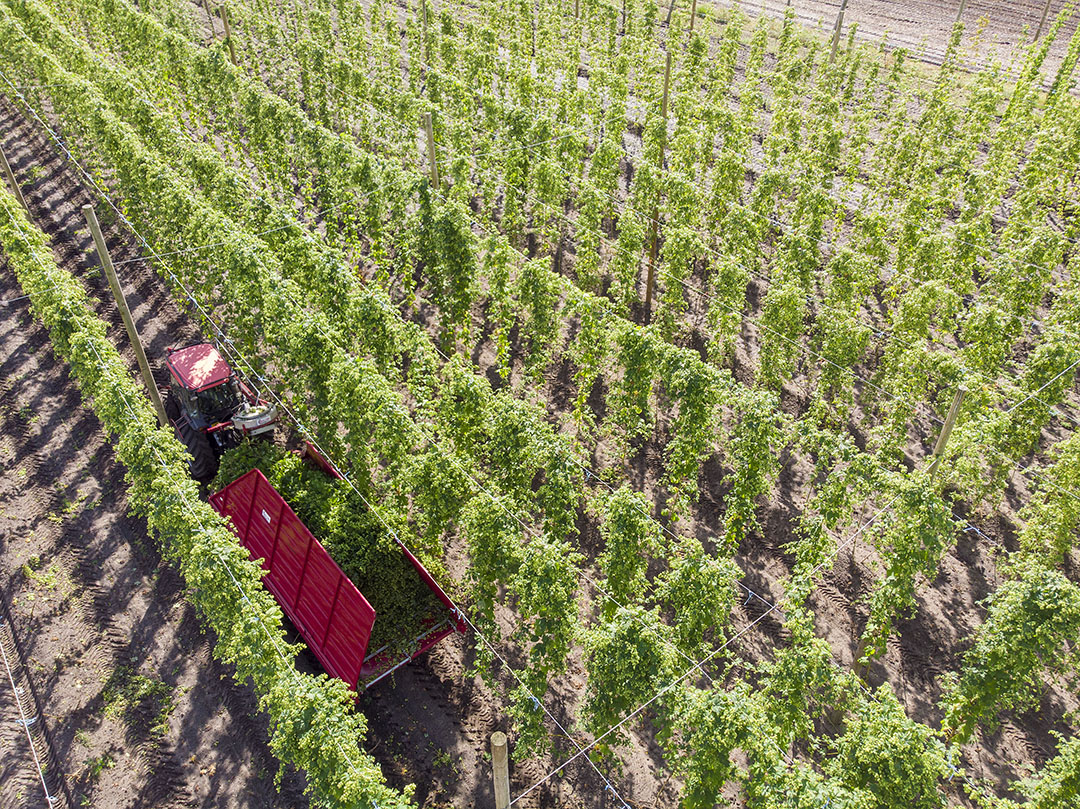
[{"x": 266, "y": 516}]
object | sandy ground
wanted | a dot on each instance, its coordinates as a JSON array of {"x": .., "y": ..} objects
[{"x": 992, "y": 28}]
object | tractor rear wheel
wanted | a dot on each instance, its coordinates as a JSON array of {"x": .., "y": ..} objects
[{"x": 203, "y": 464}]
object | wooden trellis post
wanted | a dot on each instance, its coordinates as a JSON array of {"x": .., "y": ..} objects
[
  {"x": 650, "y": 278},
  {"x": 430, "y": 130},
  {"x": 125, "y": 313},
  {"x": 500, "y": 770},
  {"x": 667, "y": 86},
  {"x": 1042, "y": 19},
  {"x": 423, "y": 33},
  {"x": 946, "y": 429},
  {"x": 836, "y": 31},
  {"x": 228, "y": 32},
  {"x": 960, "y": 11},
  {"x": 693, "y": 14},
  {"x": 10, "y": 176},
  {"x": 210, "y": 19}
]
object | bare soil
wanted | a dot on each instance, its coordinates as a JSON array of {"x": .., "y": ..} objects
[
  {"x": 992, "y": 28},
  {"x": 137, "y": 711},
  {"x": 93, "y": 609}
]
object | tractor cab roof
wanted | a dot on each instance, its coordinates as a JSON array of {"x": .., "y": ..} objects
[{"x": 197, "y": 367}]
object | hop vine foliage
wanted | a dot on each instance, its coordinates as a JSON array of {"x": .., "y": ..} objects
[
  {"x": 1052, "y": 515},
  {"x": 911, "y": 544},
  {"x": 1031, "y": 625},
  {"x": 889, "y": 759},
  {"x": 628, "y": 662},
  {"x": 1059, "y": 783},
  {"x": 630, "y": 538},
  {"x": 700, "y": 589},
  {"x": 752, "y": 444},
  {"x": 914, "y": 286},
  {"x": 312, "y": 724}
]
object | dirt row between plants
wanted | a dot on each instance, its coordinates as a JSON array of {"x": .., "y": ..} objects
[
  {"x": 429, "y": 726},
  {"x": 140, "y": 713}
]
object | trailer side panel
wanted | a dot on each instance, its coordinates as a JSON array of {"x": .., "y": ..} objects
[{"x": 332, "y": 615}]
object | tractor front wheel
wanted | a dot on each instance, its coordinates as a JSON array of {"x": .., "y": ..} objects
[{"x": 172, "y": 407}]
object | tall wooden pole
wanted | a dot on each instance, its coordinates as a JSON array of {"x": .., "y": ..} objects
[
  {"x": 10, "y": 175},
  {"x": 430, "y": 129},
  {"x": 125, "y": 313},
  {"x": 946, "y": 429},
  {"x": 693, "y": 14},
  {"x": 210, "y": 19},
  {"x": 427, "y": 55},
  {"x": 295, "y": 17},
  {"x": 670, "y": 11},
  {"x": 654, "y": 246},
  {"x": 836, "y": 31},
  {"x": 667, "y": 86},
  {"x": 500, "y": 768},
  {"x": 1042, "y": 19},
  {"x": 228, "y": 32}
]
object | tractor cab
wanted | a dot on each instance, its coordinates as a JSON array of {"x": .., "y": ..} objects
[{"x": 210, "y": 408}]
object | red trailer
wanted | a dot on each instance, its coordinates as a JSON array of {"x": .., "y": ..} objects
[{"x": 331, "y": 614}]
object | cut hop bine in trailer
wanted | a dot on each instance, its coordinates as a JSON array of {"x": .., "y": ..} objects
[{"x": 212, "y": 410}]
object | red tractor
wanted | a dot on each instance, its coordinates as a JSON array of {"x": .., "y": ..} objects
[{"x": 210, "y": 407}]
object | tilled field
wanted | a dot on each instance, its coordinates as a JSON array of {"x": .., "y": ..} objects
[
  {"x": 992, "y": 27},
  {"x": 136, "y": 709},
  {"x": 139, "y": 714}
]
